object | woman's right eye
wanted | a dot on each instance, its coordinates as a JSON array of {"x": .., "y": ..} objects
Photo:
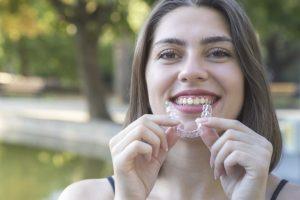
[{"x": 168, "y": 55}]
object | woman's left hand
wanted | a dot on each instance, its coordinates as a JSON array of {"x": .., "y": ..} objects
[{"x": 240, "y": 157}]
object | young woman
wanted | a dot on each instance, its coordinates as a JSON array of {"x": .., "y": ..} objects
[{"x": 192, "y": 51}]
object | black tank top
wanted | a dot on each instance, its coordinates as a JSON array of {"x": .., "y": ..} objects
[{"x": 274, "y": 195}]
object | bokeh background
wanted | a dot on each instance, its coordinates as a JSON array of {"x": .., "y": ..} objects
[{"x": 64, "y": 81}]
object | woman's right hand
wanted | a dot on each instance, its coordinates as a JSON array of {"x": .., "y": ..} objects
[{"x": 138, "y": 152}]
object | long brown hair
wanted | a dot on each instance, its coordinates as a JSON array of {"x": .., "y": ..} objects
[{"x": 258, "y": 112}]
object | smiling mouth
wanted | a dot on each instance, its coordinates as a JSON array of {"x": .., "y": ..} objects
[{"x": 194, "y": 100}]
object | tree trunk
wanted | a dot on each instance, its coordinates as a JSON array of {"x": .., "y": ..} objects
[
  {"x": 282, "y": 55},
  {"x": 122, "y": 68},
  {"x": 89, "y": 72},
  {"x": 24, "y": 62}
]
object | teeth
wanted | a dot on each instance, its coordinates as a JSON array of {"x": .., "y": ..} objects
[
  {"x": 197, "y": 101},
  {"x": 202, "y": 101},
  {"x": 192, "y": 100}
]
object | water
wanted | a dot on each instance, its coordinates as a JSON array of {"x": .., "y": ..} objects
[{"x": 40, "y": 174}]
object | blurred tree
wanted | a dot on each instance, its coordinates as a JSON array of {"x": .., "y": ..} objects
[
  {"x": 19, "y": 22},
  {"x": 34, "y": 42},
  {"x": 278, "y": 25},
  {"x": 87, "y": 18},
  {"x": 126, "y": 22}
]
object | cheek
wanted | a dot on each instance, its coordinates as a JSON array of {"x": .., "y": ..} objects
[
  {"x": 232, "y": 83},
  {"x": 157, "y": 86}
]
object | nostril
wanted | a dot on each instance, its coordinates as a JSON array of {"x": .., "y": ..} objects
[{"x": 184, "y": 79}]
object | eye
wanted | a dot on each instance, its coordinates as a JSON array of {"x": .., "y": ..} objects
[
  {"x": 168, "y": 54},
  {"x": 218, "y": 53}
]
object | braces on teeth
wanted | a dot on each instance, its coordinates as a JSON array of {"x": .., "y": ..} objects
[
  {"x": 188, "y": 128},
  {"x": 192, "y": 101}
]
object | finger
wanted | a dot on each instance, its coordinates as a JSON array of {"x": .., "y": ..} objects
[
  {"x": 237, "y": 158},
  {"x": 138, "y": 133},
  {"x": 209, "y": 136},
  {"x": 226, "y": 150},
  {"x": 162, "y": 120},
  {"x": 232, "y": 134},
  {"x": 254, "y": 166},
  {"x": 124, "y": 160},
  {"x": 224, "y": 124},
  {"x": 172, "y": 137},
  {"x": 160, "y": 133}
]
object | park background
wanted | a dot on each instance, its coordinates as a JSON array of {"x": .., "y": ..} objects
[{"x": 64, "y": 81}]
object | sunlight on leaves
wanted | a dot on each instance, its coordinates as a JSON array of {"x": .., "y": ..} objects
[
  {"x": 107, "y": 37},
  {"x": 137, "y": 12},
  {"x": 22, "y": 24},
  {"x": 91, "y": 6},
  {"x": 1, "y": 45},
  {"x": 44, "y": 157},
  {"x": 71, "y": 29},
  {"x": 69, "y": 2},
  {"x": 115, "y": 17},
  {"x": 58, "y": 160}
]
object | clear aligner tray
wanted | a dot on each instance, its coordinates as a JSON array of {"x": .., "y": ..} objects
[{"x": 189, "y": 127}]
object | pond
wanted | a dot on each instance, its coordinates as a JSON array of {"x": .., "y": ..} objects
[{"x": 40, "y": 174}]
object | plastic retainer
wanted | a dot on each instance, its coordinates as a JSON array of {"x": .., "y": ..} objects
[{"x": 188, "y": 128}]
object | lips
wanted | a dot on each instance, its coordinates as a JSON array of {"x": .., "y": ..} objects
[{"x": 192, "y": 101}]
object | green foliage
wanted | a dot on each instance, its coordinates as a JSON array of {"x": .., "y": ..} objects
[
  {"x": 271, "y": 16},
  {"x": 49, "y": 41},
  {"x": 49, "y": 51},
  {"x": 277, "y": 23}
]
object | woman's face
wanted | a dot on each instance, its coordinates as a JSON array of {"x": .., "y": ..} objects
[{"x": 192, "y": 61}]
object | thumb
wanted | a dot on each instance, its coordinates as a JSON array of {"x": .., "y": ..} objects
[
  {"x": 208, "y": 135},
  {"x": 172, "y": 137}
]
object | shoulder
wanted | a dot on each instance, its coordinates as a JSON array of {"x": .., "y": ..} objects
[
  {"x": 289, "y": 191},
  {"x": 90, "y": 189}
]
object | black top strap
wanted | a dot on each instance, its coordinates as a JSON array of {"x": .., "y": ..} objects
[
  {"x": 274, "y": 196},
  {"x": 112, "y": 182},
  {"x": 278, "y": 189}
]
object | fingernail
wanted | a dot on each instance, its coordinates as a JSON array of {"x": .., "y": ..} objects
[
  {"x": 216, "y": 175},
  {"x": 202, "y": 119},
  {"x": 166, "y": 148},
  {"x": 211, "y": 162},
  {"x": 223, "y": 172}
]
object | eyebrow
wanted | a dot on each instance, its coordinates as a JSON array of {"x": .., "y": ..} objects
[
  {"x": 206, "y": 40},
  {"x": 171, "y": 41},
  {"x": 215, "y": 39}
]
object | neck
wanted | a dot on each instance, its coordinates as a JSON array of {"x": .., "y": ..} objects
[{"x": 186, "y": 170}]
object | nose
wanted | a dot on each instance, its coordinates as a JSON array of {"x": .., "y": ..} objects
[{"x": 191, "y": 71}]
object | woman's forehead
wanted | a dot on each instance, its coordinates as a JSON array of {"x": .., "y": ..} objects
[{"x": 192, "y": 23}]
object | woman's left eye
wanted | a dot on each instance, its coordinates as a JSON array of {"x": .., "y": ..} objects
[{"x": 218, "y": 53}]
